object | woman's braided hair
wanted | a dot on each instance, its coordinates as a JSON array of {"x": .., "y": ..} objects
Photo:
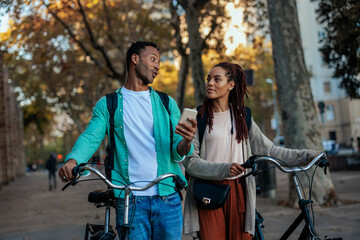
[{"x": 237, "y": 95}]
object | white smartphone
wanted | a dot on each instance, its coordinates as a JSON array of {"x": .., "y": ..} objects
[{"x": 188, "y": 113}]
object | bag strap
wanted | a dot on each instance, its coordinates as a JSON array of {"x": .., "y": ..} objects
[
  {"x": 112, "y": 103},
  {"x": 202, "y": 122},
  {"x": 248, "y": 118},
  {"x": 165, "y": 101}
]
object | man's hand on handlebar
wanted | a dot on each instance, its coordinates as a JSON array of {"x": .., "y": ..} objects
[{"x": 65, "y": 172}]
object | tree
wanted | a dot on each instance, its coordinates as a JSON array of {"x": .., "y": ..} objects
[
  {"x": 69, "y": 53},
  {"x": 75, "y": 50},
  {"x": 181, "y": 47},
  {"x": 205, "y": 20},
  {"x": 300, "y": 122},
  {"x": 256, "y": 19},
  {"x": 192, "y": 13},
  {"x": 341, "y": 43}
]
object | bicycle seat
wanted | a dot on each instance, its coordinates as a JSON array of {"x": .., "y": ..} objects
[{"x": 101, "y": 196}]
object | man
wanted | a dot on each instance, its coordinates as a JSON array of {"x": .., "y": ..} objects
[
  {"x": 143, "y": 147},
  {"x": 51, "y": 165}
]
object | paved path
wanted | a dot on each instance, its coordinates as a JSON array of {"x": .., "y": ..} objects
[
  {"x": 341, "y": 221},
  {"x": 28, "y": 211}
]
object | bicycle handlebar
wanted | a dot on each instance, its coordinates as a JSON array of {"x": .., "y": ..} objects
[
  {"x": 179, "y": 183},
  {"x": 321, "y": 158}
]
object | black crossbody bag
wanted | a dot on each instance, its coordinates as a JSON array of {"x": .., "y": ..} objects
[{"x": 209, "y": 195}]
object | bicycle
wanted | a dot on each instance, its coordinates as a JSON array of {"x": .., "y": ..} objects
[
  {"x": 308, "y": 232},
  {"x": 107, "y": 199}
]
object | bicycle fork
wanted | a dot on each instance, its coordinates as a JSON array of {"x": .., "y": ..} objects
[
  {"x": 107, "y": 219},
  {"x": 308, "y": 229},
  {"x": 125, "y": 228}
]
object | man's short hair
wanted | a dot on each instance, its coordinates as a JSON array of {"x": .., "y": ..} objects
[{"x": 137, "y": 48}]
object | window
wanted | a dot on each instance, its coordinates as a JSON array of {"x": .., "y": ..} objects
[
  {"x": 332, "y": 135},
  {"x": 329, "y": 113},
  {"x": 327, "y": 87}
]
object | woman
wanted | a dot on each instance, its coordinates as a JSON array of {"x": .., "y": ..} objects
[{"x": 226, "y": 144}]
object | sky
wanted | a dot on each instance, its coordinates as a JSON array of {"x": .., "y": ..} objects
[
  {"x": 4, "y": 23},
  {"x": 236, "y": 30}
]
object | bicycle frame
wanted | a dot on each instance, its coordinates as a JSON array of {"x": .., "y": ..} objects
[
  {"x": 179, "y": 184},
  {"x": 308, "y": 231},
  {"x": 258, "y": 225},
  {"x": 304, "y": 215}
]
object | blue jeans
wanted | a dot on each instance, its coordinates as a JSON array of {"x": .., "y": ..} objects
[{"x": 155, "y": 217}]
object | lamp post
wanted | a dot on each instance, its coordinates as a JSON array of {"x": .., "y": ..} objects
[{"x": 276, "y": 115}]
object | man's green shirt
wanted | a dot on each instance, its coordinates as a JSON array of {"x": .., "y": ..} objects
[{"x": 89, "y": 141}]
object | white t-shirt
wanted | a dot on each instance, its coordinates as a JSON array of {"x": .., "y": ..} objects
[{"x": 139, "y": 136}]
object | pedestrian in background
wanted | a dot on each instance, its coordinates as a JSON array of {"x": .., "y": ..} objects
[{"x": 51, "y": 166}]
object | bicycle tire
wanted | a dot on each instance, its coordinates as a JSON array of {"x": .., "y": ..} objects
[
  {"x": 93, "y": 231},
  {"x": 305, "y": 234},
  {"x": 87, "y": 230}
]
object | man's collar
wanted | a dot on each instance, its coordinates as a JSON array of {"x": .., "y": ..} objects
[{"x": 120, "y": 89}]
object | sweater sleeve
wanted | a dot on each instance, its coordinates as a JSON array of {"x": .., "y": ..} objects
[
  {"x": 261, "y": 145},
  {"x": 200, "y": 168}
]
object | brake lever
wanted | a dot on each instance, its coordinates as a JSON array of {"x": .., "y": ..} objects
[
  {"x": 324, "y": 163},
  {"x": 327, "y": 164},
  {"x": 179, "y": 185},
  {"x": 250, "y": 163},
  {"x": 72, "y": 182},
  {"x": 253, "y": 172},
  {"x": 66, "y": 186}
]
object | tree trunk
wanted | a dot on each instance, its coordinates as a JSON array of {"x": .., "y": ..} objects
[
  {"x": 192, "y": 10},
  {"x": 300, "y": 121},
  {"x": 181, "y": 48},
  {"x": 183, "y": 73}
]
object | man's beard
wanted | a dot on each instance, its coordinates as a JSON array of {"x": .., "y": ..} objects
[{"x": 143, "y": 78}]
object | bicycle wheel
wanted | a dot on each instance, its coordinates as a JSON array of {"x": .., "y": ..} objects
[
  {"x": 93, "y": 231},
  {"x": 87, "y": 230},
  {"x": 306, "y": 235}
]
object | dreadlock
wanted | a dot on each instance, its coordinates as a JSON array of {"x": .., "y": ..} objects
[{"x": 236, "y": 100}]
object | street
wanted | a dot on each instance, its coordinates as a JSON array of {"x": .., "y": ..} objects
[{"x": 30, "y": 212}]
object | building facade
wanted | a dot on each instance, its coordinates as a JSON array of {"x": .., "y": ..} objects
[{"x": 338, "y": 115}]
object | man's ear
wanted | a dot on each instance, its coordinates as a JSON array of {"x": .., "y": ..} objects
[{"x": 135, "y": 59}]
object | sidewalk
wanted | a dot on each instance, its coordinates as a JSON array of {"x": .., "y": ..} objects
[
  {"x": 341, "y": 221},
  {"x": 28, "y": 211}
]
